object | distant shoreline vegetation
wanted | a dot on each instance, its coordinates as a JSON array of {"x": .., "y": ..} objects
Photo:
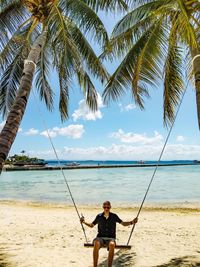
[
  {"x": 23, "y": 160},
  {"x": 17, "y": 163}
]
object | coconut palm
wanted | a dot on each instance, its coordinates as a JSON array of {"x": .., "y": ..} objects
[
  {"x": 43, "y": 34},
  {"x": 158, "y": 41}
]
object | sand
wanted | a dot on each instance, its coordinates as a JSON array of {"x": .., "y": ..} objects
[{"x": 32, "y": 234}]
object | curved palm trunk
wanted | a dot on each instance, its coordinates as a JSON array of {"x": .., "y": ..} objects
[
  {"x": 196, "y": 69},
  {"x": 9, "y": 131}
]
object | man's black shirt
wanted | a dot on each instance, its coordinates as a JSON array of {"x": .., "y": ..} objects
[{"x": 107, "y": 227}]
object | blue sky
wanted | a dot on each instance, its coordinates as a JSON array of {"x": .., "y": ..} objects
[{"x": 120, "y": 131}]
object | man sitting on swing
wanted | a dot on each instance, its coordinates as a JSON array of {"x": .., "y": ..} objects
[{"x": 106, "y": 231}]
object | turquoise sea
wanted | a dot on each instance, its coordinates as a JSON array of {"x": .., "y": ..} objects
[{"x": 172, "y": 184}]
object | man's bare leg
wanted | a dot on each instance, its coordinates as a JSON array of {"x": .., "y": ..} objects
[
  {"x": 96, "y": 252},
  {"x": 111, "y": 253}
]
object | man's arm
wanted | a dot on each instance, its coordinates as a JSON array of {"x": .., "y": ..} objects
[
  {"x": 82, "y": 220},
  {"x": 134, "y": 221}
]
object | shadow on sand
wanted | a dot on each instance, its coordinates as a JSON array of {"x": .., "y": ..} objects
[
  {"x": 187, "y": 261},
  {"x": 123, "y": 258},
  {"x": 128, "y": 259},
  {"x": 4, "y": 262}
]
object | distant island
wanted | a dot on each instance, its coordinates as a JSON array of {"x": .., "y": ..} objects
[{"x": 24, "y": 160}]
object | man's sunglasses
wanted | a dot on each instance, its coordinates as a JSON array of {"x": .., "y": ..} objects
[{"x": 106, "y": 207}]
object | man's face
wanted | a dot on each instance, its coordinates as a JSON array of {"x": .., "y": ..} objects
[{"x": 106, "y": 207}]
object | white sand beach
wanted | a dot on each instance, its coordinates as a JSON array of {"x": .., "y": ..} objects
[{"x": 36, "y": 235}]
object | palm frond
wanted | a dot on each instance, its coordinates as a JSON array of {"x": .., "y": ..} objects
[
  {"x": 66, "y": 52},
  {"x": 107, "y": 5},
  {"x": 139, "y": 89},
  {"x": 189, "y": 72},
  {"x": 140, "y": 66},
  {"x": 137, "y": 15},
  {"x": 12, "y": 59},
  {"x": 11, "y": 47},
  {"x": 64, "y": 96},
  {"x": 65, "y": 56},
  {"x": 8, "y": 53},
  {"x": 73, "y": 54},
  {"x": 145, "y": 51},
  {"x": 88, "y": 89},
  {"x": 136, "y": 3},
  {"x": 10, "y": 80},
  {"x": 85, "y": 18},
  {"x": 12, "y": 16},
  {"x": 34, "y": 25},
  {"x": 42, "y": 84},
  {"x": 4, "y": 38},
  {"x": 187, "y": 32},
  {"x": 120, "y": 81},
  {"x": 147, "y": 70},
  {"x": 64, "y": 74},
  {"x": 173, "y": 80},
  {"x": 5, "y": 3},
  {"x": 120, "y": 45},
  {"x": 89, "y": 58},
  {"x": 195, "y": 14}
]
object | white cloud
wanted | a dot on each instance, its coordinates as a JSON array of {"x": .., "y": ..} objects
[
  {"x": 141, "y": 139},
  {"x": 31, "y": 131},
  {"x": 180, "y": 138},
  {"x": 124, "y": 152},
  {"x": 49, "y": 133},
  {"x": 74, "y": 131},
  {"x": 85, "y": 113},
  {"x": 127, "y": 107}
]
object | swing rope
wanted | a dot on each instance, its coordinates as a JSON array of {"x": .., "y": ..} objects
[
  {"x": 151, "y": 180},
  {"x": 158, "y": 162},
  {"x": 60, "y": 166}
]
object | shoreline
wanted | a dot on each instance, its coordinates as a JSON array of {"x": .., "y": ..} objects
[
  {"x": 151, "y": 207},
  {"x": 32, "y": 167}
]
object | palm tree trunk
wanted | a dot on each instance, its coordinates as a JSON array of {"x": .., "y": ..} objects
[
  {"x": 196, "y": 69},
  {"x": 10, "y": 129}
]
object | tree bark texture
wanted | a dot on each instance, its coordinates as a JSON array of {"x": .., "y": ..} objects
[
  {"x": 196, "y": 69},
  {"x": 10, "y": 129}
]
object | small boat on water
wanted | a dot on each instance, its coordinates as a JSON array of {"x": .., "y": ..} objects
[
  {"x": 141, "y": 162},
  {"x": 72, "y": 164}
]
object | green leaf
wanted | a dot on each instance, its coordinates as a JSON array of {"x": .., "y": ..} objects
[
  {"x": 89, "y": 58},
  {"x": 173, "y": 79},
  {"x": 85, "y": 18},
  {"x": 64, "y": 95},
  {"x": 139, "y": 67},
  {"x": 10, "y": 81},
  {"x": 88, "y": 89},
  {"x": 42, "y": 73},
  {"x": 12, "y": 15},
  {"x": 107, "y": 5}
]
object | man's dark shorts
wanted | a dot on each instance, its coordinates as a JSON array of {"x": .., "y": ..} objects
[{"x": 104, "y": 241}]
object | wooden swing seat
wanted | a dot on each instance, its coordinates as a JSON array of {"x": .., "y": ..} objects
[{"x": 90, "y": 245}]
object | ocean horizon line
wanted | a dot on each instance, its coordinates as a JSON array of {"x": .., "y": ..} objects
[{"x": 116, "y": 160}]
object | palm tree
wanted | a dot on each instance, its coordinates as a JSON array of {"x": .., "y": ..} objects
[
  {"x": 43, "y": 34},
  {"x": 158, "y": 41}
]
